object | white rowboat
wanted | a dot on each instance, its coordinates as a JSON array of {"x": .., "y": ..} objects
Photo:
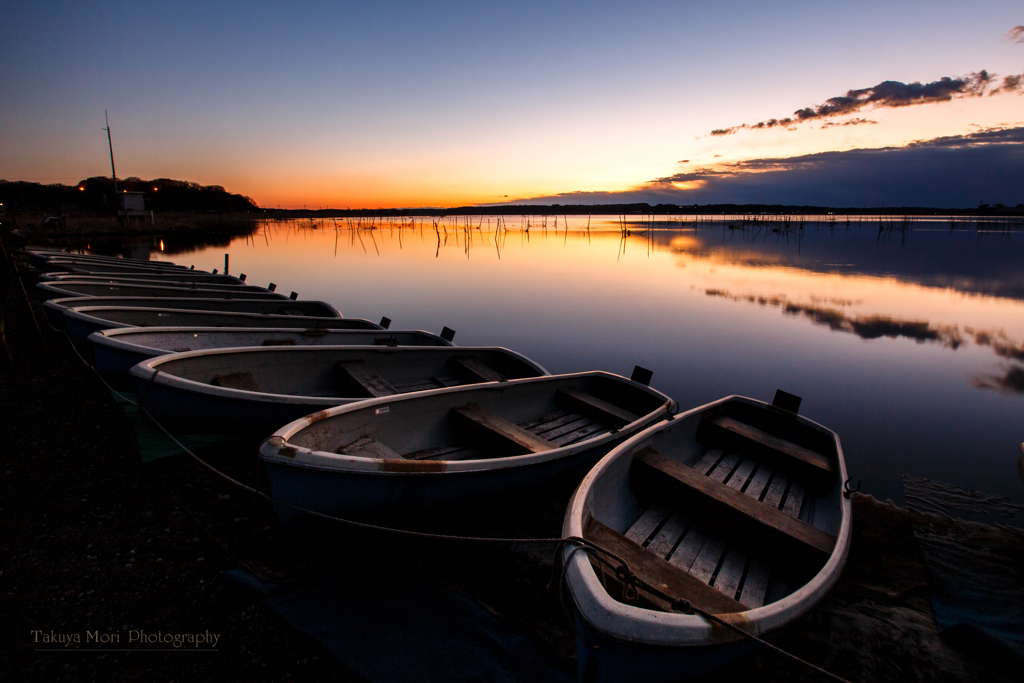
[
  {"x": 419, "y": 450},
  {"x": 736, "y": 506}
]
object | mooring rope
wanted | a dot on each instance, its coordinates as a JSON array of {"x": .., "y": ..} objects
[{"x": 623, "y": 572}]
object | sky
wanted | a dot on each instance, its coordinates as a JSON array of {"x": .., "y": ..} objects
[{"x": 408, "y": 104}]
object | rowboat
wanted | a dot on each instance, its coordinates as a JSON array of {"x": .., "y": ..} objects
[
  {"x": 77, "y": 265},
  {"x": 414, "y": 451},
  {"x": 736, "y": 506},
  {"x": 81, "y": 321},
  {"x": 69, "y": 288},
  {"x": 55, "y": 308},
  {"x": 168, "y": 278},
  {"x": 261, "y": 388},
  {"x": 115, "y": 351},
  {"x": 41, "y": 257},
  {"x": 108, "y": 269}
]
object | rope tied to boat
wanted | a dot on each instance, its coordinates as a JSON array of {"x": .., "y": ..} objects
[{"x": 621, "y": 567}]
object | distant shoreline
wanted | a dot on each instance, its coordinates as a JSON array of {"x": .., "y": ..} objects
[
  {"x": 643, "y": 210},
  {"x": 43, "y": 224}
]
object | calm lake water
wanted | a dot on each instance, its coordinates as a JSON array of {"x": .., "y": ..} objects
[{"x": 909, "y": 344}]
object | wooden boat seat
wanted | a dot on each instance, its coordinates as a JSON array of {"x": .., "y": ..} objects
[
  {"x": 236, "y": 380},
  {"x": 692, "y": 547},
  {"x": 355, "y": 377},
  {"x": 814, "y": 469},
  {"x": 479, "y": 425},
  {"x": 581, "y": 401},
  {"x": 473, "y": 370},
  {"x": 738, "y": 569},
  {"x": 781, "y": 539}
]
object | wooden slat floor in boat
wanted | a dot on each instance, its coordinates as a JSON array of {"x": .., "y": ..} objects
[
  {"x": 562, "y": 428},
  {"x": 697, "y": 551}
]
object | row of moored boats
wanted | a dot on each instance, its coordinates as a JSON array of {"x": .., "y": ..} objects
[{"x": 736, "y": 506}]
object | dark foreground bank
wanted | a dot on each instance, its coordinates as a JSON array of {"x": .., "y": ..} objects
[{"x": 99, "y": 545}]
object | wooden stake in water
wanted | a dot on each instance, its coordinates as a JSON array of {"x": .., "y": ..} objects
[{"x": 226, "y": 272}]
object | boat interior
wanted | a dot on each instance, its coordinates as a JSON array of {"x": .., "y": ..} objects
[
  {"x": 518, "y": 420},
  {"x": 731, "y": 509},
  {"x": 350, "y": 373}
]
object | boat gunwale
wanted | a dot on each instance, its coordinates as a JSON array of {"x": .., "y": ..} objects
[
  {"x": 221, "y": 280},
  {"x": 634, "y": 625},
  {"x": 70, "y": 303},
  {"x": 114, "y": 262},
  {"x": 305, "y": 458},
  {"x": 55, "y": 287}
]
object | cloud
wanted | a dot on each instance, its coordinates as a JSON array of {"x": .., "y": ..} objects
[
  {"x": 889, "y": 94},
  {"x": 1014, "y": 35},
  {"x": 851, "y": 122},
  {"x": 958, "y": 171},
  {"x": 1009, "y": 84}
]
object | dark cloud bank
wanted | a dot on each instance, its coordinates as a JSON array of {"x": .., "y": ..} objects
[{"x": 960, "y": 171}]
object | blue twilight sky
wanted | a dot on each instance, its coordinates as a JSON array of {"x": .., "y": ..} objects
[{"x": 415, "y": 104}]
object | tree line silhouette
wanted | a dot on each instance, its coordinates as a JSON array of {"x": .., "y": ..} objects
[{"x": 97, "y": 195}]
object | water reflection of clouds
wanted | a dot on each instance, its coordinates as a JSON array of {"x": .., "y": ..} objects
[
  {"x": 1010, "y": 383},
  {"x": 968, "y": 261},
  {"x": 846, "y": 283},
  {"x": 871, "y": 327}
]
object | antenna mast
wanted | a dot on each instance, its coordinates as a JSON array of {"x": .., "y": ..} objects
[{"x": 111, "y": 145}]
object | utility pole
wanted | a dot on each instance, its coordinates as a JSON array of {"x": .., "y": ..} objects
[{"x": 110, "y": 144}]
